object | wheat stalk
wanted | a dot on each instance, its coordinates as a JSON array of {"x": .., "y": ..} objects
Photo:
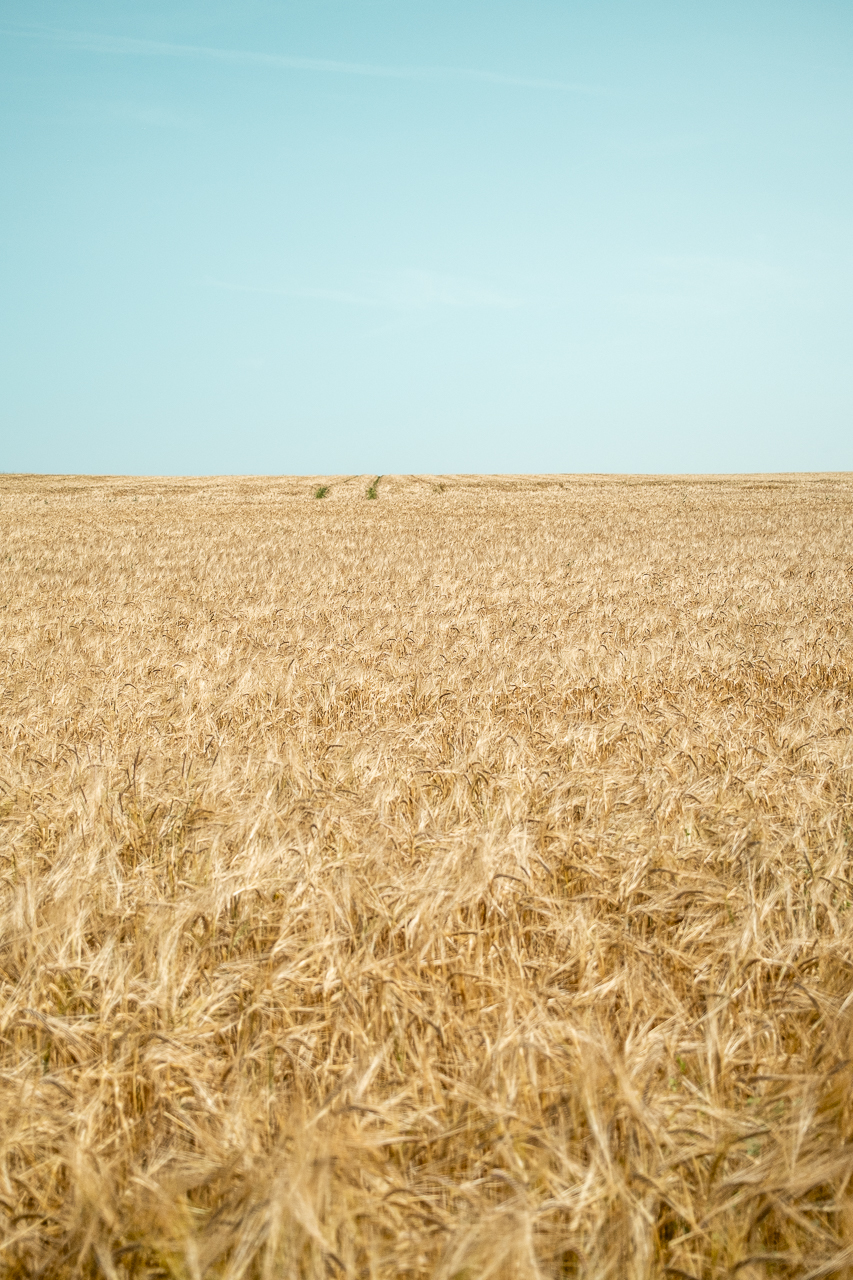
[{"x": 455, "y": 885}]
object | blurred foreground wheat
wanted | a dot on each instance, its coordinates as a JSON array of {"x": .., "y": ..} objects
[{"x": 451, "y": 885}]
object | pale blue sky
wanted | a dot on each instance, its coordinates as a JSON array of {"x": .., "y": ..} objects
[{"x": 406, "y": 236}]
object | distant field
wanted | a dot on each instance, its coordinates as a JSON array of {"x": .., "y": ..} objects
[{"x": 450, "y": 883}]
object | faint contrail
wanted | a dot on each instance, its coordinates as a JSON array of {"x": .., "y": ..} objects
[{"x": 124, "y": 45}]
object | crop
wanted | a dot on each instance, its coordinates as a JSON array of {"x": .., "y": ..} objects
[{"x": 456, "y": 886}]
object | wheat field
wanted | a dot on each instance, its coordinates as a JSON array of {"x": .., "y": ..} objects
[{"x": 452, "y": 882}]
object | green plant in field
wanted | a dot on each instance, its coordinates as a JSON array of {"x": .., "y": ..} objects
[
  {"x": 371, "y": 492},
  {"x": 321, "y": 491}
]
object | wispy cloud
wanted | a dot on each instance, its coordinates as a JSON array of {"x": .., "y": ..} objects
[
  {"x": 413, "y": 290},
  {"x": 408, "y": 290},
  {"x": 91, "y": 42},
  {"x": 154, "y": 117},
  {"x": 705, "y": 285},
  {"x": 308, "y": 294}
]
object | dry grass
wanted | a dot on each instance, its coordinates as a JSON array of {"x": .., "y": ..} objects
[{"x": 456, "y": 884}]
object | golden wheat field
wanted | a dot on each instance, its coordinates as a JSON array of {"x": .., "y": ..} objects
[{"x": 454, "y": 884}]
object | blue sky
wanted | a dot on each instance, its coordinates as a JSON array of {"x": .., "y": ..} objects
[{"x": 380, "y": 237}]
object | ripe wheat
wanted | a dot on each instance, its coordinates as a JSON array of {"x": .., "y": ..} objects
[{"x": 456, "y": 884}]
